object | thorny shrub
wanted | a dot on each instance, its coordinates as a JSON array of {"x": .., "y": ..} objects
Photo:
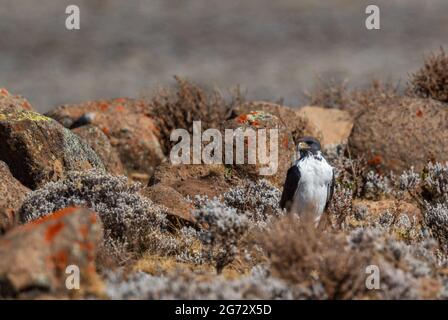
[
  {"x": 431, "y": 81},
  {"x": 178, "y": 109}
]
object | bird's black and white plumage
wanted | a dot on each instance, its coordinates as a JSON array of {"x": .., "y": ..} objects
[{"x": 309, "y": 183}]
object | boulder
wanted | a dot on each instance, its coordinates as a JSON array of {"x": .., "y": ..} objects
[
  {"x": 13, "y": 193},
  {"x": 190, "y": 180},
  {"x": 35, "y": 256},
  {"x": 100, "y": 143},
  {"x": 38, "y": 149},
  {"x": 296, "y": 121},
  {"x": 128, "y": 125},
  {"x": 179, "y": 209},
  {"x": 256, "y": 120},
  {"x": 395, "y": 137},
  {"x": 13, "y": 102},
  {"x": 334, "y": 124}
]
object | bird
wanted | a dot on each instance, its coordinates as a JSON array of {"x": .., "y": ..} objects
[
  {"x": 309, "y": 183},
  {"x": 85, "y": 119}
]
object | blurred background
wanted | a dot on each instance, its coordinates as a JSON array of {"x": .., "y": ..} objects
[{"x": 274, "y": 49}]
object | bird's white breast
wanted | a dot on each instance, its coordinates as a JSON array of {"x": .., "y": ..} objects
[{"x": 315, "y": 177}]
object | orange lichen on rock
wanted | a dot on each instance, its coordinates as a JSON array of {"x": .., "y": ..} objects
[
  {"x": 26, "y": 105},
  {"x": 120, "y": 100},
  {"x": 242, "y": 118},
  {"x": 285, "y": 142},
  {"x": 56, "y": 215},
  {"x": 59, "y": 260},
  {"x": 103, "y": 106},
  {"x": 53, "y": 230},
  {"x": 375, "y": 160},
  {"x": 106, "y": 131},
  {"x": 4, "y": 92}
]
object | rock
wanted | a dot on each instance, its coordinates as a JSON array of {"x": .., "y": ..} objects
[
  {"x": 127, "y": 124},
  {"x": 296, "y": 121},
  {"x": 396, "y": 137},
  {"x": 179, "y": 209},
  {"x": 38, "y": 149},
  {"x": 99, "y": 142},
  {"x": 13, "y": 193},
  {"x": 13, "y": 102},
  {"x": 34, "y": 256},
  {"x": 257, "y": 120},
  {"x": 191, "y": 180},
  {"x": 335, "y": 125}
]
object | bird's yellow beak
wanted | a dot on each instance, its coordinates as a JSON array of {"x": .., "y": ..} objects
[{"x": 303, "y": 146}]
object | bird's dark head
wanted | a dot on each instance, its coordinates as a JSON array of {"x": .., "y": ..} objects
[{"x": 307, "y": 146}]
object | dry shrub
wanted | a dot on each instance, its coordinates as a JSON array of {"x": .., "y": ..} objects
[
  {"x": 178, "y": 110},
  {"x": 341, "y": 206},
  {"x": 337, "y": 95},
  {"x": 182, "y": 285},
  {"x": 131, "y": 222},
  {"x": 223, "y": 230},
  {"x": 350, "y": 172},
  {"x": 300, "y": 253},
  {"x": 329, "y": 94},
  {"x": 431, "y": 81}
]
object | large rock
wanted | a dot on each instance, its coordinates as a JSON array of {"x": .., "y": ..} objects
[
  {"x": 12, "y": 195},
  {"x": 296, "y": 121},
  {"x": 128, "y": 125},
  {"x": 13, "y": 102},
  {"x": 100, "y": 143},
  {"x": 335, "y": 125},
  {"x": 34, "y": 256},
  {"x": 38, "y": 149},
  {"x": 191, "y": 179},
  {"x": 396, "y": 137},
  {"x": 179, "y": 209},
  {"x": 256, "y": 120}
]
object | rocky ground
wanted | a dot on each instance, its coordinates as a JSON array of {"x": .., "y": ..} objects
[{"x": 91, "y": 185}]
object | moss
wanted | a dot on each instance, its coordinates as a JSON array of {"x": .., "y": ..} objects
[{"x": 23, "y": 115}]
